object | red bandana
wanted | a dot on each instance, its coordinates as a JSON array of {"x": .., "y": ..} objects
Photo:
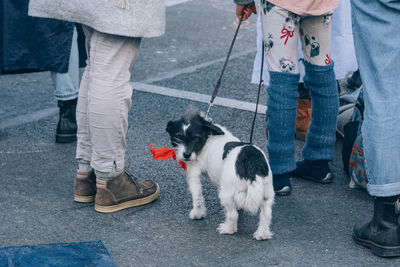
[{"x": 165, "y": 153}]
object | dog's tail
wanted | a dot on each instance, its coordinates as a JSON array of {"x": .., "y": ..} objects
[{"x": 255, "y": 194}]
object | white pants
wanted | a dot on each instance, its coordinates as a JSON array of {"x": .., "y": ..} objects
[
  {"x": 281, "y": 31},
  {"x": 342, "y": 47},
  {"x": 105, "y": 99}
]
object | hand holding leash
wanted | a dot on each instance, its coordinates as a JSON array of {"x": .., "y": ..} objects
[{"x": 245, "y": 11}]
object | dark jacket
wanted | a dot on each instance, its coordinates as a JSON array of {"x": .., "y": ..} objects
[{"x": 34, "y": 44}]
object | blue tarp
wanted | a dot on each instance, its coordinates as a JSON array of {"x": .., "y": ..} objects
[{"x": 87, "y": 253}]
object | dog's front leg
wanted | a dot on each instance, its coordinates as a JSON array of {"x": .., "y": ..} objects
[{"x": 194, "y": 183}]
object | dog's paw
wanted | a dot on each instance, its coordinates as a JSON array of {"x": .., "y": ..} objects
[
  {"x": 197, "y": 213},
  {"x": 262, "y": 235},
  {"x": 226, "y": 229}
]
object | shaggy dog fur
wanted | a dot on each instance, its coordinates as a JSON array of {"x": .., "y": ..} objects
[{"x": 240, "y": 171}]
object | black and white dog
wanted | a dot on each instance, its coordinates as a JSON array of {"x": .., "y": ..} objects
[{"x": 240, "y": 171}]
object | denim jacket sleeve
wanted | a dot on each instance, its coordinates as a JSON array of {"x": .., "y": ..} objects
[{"x": 243, "y": 2}]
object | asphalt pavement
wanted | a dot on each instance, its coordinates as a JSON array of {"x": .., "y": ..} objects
[{"x": 312, "y": 226}]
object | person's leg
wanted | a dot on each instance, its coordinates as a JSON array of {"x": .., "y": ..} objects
[
  {"x": 109, "y": 101},
  {"x": 320, "y": 80},
  {"x": 376, "y": 36},
  {"x": 280, "y": 30},
  {"x": 85, "y": 183},
  {"x": 66, "y": 89}
]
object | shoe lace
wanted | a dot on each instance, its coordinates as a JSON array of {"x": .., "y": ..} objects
[{"x": 133, "y": 179}]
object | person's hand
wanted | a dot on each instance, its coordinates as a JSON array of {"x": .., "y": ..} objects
[{"x": 246, "y": 10}]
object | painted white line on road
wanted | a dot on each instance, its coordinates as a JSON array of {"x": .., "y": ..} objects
[
  {"x": 26, "y": 118},
  {"x": 169, "y": 3},
  {"x": 219, "y": 101},
  {"x": 41, "y": 114},
  {"x": 194, "y": 68}
]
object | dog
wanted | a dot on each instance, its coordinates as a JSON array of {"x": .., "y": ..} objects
[
  {"x": 286, "y": 65},
  {"x": 240, "y": 170}
]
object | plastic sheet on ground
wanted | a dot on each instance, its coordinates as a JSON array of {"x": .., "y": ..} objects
[{"x": 87, "y": 253}]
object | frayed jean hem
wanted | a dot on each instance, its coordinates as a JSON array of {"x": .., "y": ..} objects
[{"x": 384, "y": 190}]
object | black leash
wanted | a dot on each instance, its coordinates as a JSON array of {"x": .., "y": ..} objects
[
  {"x": 258, "y": 94},
  {"x": 214, "y": 95}
]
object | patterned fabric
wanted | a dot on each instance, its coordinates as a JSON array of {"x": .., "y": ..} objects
[
  {"x": 358, "y": 176},
  {"x": 342, "y": 46},
  {"x": 281, "y": 32}
]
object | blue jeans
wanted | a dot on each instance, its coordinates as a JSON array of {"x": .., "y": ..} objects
[
  {"x": 377, "y": 38},
  {"x": 66, "y": 85}
]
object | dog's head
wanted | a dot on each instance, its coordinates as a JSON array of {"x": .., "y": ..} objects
[
  {"x": 286, "y": 65},
  {"x": 190, "y": 134}
]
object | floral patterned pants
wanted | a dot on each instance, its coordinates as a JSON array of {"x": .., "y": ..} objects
[{"x": 281, "y": 29}]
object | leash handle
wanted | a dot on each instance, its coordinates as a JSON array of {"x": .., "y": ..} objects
[
  {"x": 259, "y": 89},
  {"x": 218, "y": 84}
]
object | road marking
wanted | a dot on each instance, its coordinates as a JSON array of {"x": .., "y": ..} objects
[
  {"x": 219, "y": 101},
  {"x": 29, "y": 117},
  {"x": 169, "y": 3},
  {"x": 146, "y": 87},
  {"x": 194, "y": 68}
]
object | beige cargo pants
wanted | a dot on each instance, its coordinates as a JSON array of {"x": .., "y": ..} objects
[{"x": 105, "y": 100}]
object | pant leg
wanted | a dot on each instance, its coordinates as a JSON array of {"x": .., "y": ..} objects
[
  {"x": 280, "y": 36},
  {"x": 376, "y": 37},
  {"x": 109, "y": 98},
  {"x": 315, "y": 36},
  {"x": 320, "y": 80},
  {"x": 66, "y": 85},
  {"x": 84, "y": 146},
  {"x": 280, "y": 31}
]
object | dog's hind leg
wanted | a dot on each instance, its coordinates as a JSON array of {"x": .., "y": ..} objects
[
  {"x": 263, "y": 231},
  {"x": 199, "y": 209},
  {"x": 229, "y": 226}
]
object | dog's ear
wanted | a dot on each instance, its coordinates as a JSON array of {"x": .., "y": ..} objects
[
  {"x": 212, "y": 129},
  {"x": 170, "y": 126}
]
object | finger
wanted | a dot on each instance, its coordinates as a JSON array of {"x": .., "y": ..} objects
[
  {"x": 239, "y": 11},
  {"x": 247, "y": 13}
]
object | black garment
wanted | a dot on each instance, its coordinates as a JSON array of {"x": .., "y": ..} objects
[{"x": 34, "y": 44}]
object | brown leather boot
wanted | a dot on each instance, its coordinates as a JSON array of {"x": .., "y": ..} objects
[
  {"x": 123, "y": 192},
  {"x": 85, "y": 186},
  {"x": 303, "y": 118}
]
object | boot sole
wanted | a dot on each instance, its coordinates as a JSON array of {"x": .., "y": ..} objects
[
  {"x": 65, "y": 138},
  {"x": 326, "y": 180},
  {"x": 285, "y": 191},
  {"x": 84, "y": 199},
  {"x": 382, "y": 251},
  {"x": 128, "y": 204}
]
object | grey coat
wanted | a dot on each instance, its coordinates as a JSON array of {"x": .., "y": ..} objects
[{"x": 142, "y": 18}]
